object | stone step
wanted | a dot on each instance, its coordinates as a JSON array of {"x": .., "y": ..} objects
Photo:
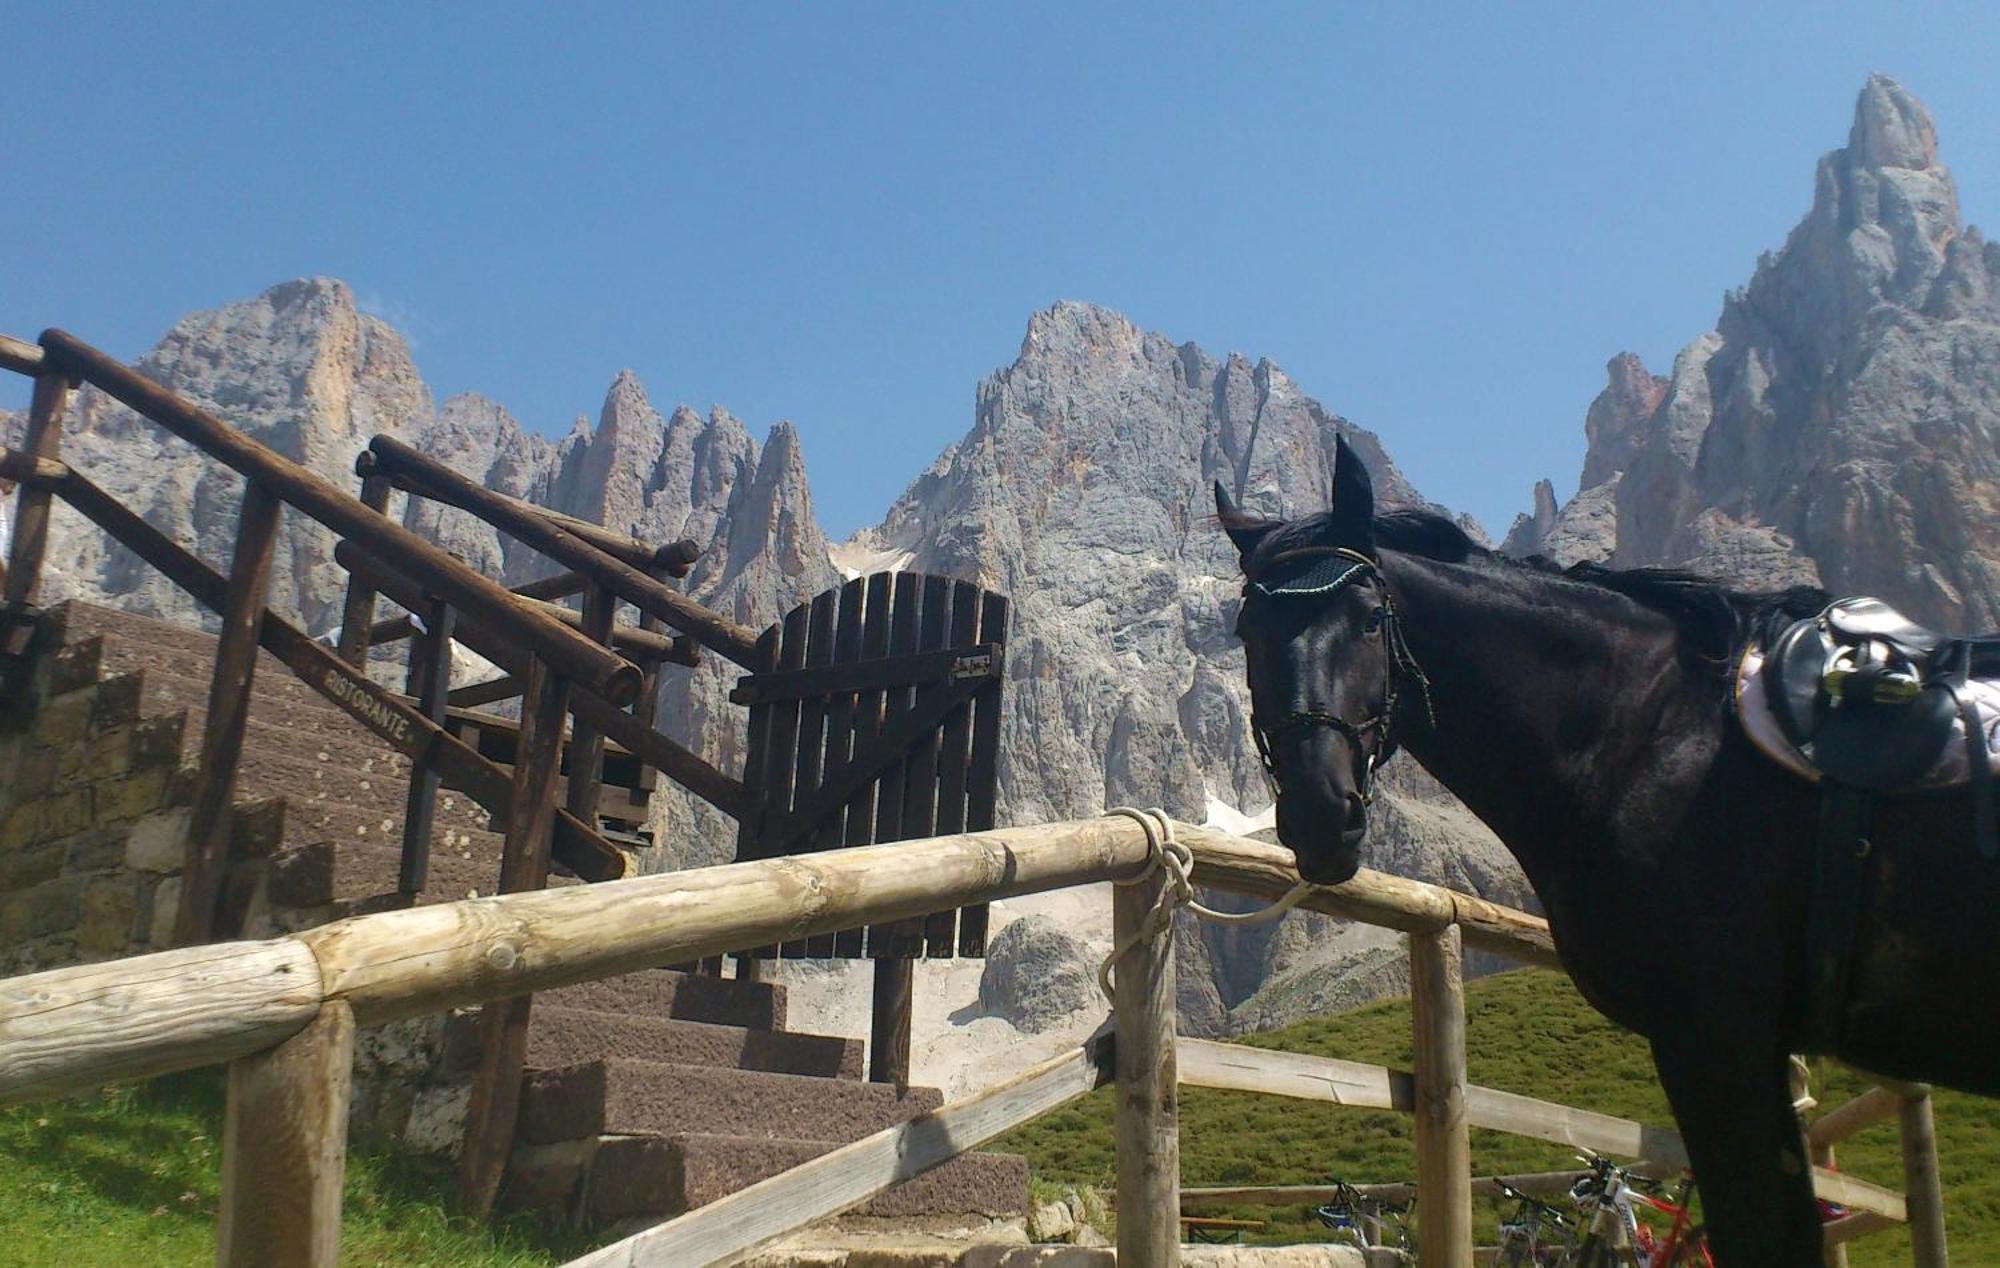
[
  {"x": 680, "y": 996},
  {"x": 562, "y": 1037},
  {"x": 336, "y": 869},
  {"x": 621, "y": 1097},
  {"x": 665, "y": 1176}
]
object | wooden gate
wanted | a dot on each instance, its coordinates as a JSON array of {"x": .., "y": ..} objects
[{"x": 876, "y": 717}]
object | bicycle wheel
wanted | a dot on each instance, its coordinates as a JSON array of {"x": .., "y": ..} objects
[
  {"x": 1693, "y": 1250},
  {"x": 1513, "y": 1253}
]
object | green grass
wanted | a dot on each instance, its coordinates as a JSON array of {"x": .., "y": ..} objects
[
  {"x": 1528, "y": 1032},
  {"x": 127, "y": 1178}
]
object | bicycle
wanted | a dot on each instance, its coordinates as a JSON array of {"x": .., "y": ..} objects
[
  {"x": 1366, "y": 1222},
  {"x": 1608, "y": 1199},
  {"x": 1536, "y": 1235}
]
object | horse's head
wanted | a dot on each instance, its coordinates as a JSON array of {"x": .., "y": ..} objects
[{"x": 1324, "y": 654}]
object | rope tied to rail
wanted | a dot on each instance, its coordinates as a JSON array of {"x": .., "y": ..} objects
[{"x": 1163, "y": 849}]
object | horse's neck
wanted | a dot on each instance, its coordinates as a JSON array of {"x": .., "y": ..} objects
[{"x": 1528, "y": 692}]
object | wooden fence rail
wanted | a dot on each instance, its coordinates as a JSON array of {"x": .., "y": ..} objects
[{"x": 277, "y": 1010}]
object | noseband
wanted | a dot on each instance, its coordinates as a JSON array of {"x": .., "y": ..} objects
[{"x": 1323, "y": 581}]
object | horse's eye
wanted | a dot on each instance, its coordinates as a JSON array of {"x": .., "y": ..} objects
[{"x": 1375, "y": 619}]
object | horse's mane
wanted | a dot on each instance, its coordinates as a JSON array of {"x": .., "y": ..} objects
[{"x": 1713, "y": 621}]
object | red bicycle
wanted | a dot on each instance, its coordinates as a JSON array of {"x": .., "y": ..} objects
[{"x": 1610, "y": 1198}]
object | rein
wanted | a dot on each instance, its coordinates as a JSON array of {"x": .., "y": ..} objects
[{"x": 1403, "y": 667}]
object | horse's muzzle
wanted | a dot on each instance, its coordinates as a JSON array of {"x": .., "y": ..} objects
[{"x": 1326, "y": 841}]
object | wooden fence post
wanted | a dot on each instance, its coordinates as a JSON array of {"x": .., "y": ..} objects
[
  {"x": 1921, "y": 1188},
  {"x": 1148, "y": 1077},
  {"x": 503, "y": 1024},
  {"x": 429, "y": 680},
  {"x": 357, "y": 613},
  {"x": 586, "y": 745},
  {"x": 284, "y": 1148},
  {"x": 1444, "y": 1152},
  {"x": 228, "y": 714},
  {"x": 31, "y": 509}
]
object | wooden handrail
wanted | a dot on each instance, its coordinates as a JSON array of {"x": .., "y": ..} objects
[
  {"x": 676, "y": 558},
  {"x": 626, "y": 640},
  {"x": 682, "y": 765},
  {"x": 429, "y": 478},
  {"x": 407, "y": 963},
  {"x": 570, "y": 654},
  {"x": 20, "y": 356},
  {"x": 578, "y": 846}
]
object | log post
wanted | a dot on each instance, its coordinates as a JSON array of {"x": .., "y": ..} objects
[
  {"x": 586, "y": 746},
  {"x": 284, "y": 1148},
  {"x": 1444, "y": 1152},
  {"x": 889, "y": 1031},
  {"x": 429, "y": 680},
  {"x": 1820, "y": 1151},
  {"x": 31, "y": 507},
  {"x": 1922, "y": 1191},
  {"x": 1148, "y": 1077},
  {"x": 524, "y": 865},
  {"x": 357, "y": 614},
  {"x": 228, "y": 714}
]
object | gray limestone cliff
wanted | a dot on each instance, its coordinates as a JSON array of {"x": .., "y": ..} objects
[
  {"x": 1083, "y": 490},
  {"x": 1841, "y": 424}
]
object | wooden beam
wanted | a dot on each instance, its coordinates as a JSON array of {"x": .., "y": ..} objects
[
  {"x": 228, "y": 716},
  {"x": 524, "y": 868},
  {"x": 678, "y": 763},
  {"x": 1533, "y": 1183},
  {"x": 387, "y": 715},
  {"x": 432, "y": 479},
  {"x": 357, "y": 610},
  {"x": 1922, "y": 1188},
  {"x": 1243, "y": 866},
  {"x": 1241, "y": 1068},
  {"x": 1871, "y": 1107},
  {"x": 68, "y": 1030},
  {"x": 20, "y": 356},
  {"x": 951, "y": 665},
  {"x": 505, "y": 687},
  {"x": 30, "y": 540},
  {"x": 726, "y": 1230},
  {"x": 398, "y": 964},
  {"x": 1147, "y": 1121},
  {"x": 284, "y": 1148},
  {"x": 1443, "y": 1141},
  {"x": 475, "y": 595},
  {"x": 429, "y": 680},
  {"x": 586, "y": 745},
  {"x": 1835, "y": 1234},
  {"x": 893, "y": 1006}
]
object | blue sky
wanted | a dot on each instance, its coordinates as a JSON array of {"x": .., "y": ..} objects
[{"x": 1441, "y": 219}]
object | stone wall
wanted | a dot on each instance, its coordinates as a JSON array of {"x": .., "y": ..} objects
[{"x": 93, "y": 816}]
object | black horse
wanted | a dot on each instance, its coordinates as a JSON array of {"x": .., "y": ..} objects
[{"x": 1587, "y": 717}]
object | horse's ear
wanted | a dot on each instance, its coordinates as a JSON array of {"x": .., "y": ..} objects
[
  {"x": 1353, "y": 497},
  {"x": 1245, "y": 530}
]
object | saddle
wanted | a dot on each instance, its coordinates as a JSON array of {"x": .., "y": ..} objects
[
  {"x": 1869, "y": 698},
  {"x": 1864, "y": 701}
]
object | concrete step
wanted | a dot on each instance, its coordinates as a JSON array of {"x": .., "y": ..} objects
[
  {"x": 680, "y": 996},
  {"x": 665, "y": 1176},
  {"x": 621, "y": 1097},
  {"x": 562, "y": 1037}
]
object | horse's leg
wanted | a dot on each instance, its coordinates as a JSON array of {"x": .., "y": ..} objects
[{"x": 1734, "y": 1106}]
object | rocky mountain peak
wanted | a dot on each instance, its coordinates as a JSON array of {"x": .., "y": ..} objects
[
  {"x": 1891, "y": 128},
  {"x": 1841, "y": 425}
]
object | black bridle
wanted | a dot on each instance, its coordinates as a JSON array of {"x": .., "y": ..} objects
[{"x": 1382, "y": 623}]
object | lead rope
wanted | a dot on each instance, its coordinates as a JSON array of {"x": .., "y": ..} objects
[{"x": 1164, "y": 850}]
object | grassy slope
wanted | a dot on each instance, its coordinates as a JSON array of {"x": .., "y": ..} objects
[
  {"x": 1528, "y": 1032},
  {"x": 129, "y": 1177}
]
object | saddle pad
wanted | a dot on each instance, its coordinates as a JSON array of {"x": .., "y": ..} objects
[{"x": 1753, "y": 710}]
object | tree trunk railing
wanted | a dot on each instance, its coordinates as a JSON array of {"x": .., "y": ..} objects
[{"x": 252, "y": 1004}]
